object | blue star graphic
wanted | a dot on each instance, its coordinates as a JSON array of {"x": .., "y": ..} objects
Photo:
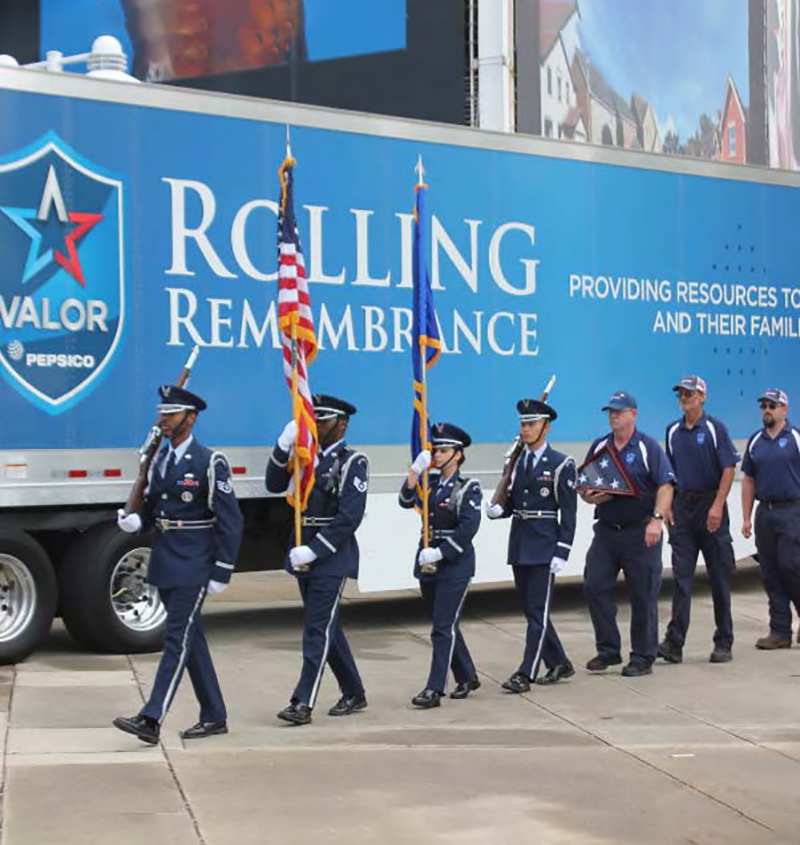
[{"x": 34, "y": 262}]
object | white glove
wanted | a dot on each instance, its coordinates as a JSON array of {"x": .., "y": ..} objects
[
  {"x": 493, "y": 511},
  {"x": 429, "y": 556},
  {"x": 288, "y": 436},
  {"x": 557, "y": 564},
  {"x": 130, "y": 523},
  {"x": 421, "y": 462},
  {"x": 215, "y": 587},
  {"x": 301, "y": 556}
]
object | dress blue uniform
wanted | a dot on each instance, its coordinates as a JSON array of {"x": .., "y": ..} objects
[
  {"x": 334, "y": 512},
  {"x": 619, "y": 544},
  {"x": 774, "y": 464},
  {"x": 191, "y": 504},
  {"x": 454, "y": 507},
  {"x": 699, "y": 454},
  {"x": 542, "y": 503}
]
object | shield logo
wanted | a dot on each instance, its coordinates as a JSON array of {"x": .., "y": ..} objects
[
  {"x": 782, "y": 442},
  {"x": 62, "y": 292},
  {"x": 701, "y": 437}
]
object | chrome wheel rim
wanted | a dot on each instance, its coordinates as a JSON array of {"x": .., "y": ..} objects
[
  {"x": 17, "y": 597},
  {"x": 135, "y": 602}
]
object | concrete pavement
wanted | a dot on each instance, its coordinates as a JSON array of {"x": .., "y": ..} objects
[{"x": 696, "y": 753}]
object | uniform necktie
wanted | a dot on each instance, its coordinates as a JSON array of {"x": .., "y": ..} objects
[{"x": 170, "y": 468}]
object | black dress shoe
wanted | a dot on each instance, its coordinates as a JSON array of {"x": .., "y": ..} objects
[
  {"x": 517, "y": 683},
  {"x": 599, "y": 663},
  {"x": 203, "y": 729},
  {"x": 296, "y": 713},
  {"x": 463, "y": 689},
  {"x": 720, "y": 655},
  {"x": 636, "y": 670},
  {"x": 556, "y": 674},
  {"x": 426, "y": 699},
  {"x": 348, "y": 704},
  {"x": 670, "y": 651},
  {"x": 143, "y": 727}
]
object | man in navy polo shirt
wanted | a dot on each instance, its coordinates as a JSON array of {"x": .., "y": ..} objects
[
  {"x": 628, "y": 537},
  {"x": 771, "y": 469},
  {"x": 704, "y": 459}
]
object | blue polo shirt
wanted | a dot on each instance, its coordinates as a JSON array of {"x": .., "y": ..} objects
[
  {"x": 774, "y": 463},
  {"x": 700, "y": 454},
  {"x": 647, "y": 466}
]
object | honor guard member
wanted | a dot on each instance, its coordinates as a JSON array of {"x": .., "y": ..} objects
[
  {"x": 627, "y": 537},
  {"x": 704, "y": 460},
  {"x": 542, "y": 503},
  {"x": 191, "y": 504},
  {"x": 328, "y": 556},
  {"x": 447, "y": 565},
  {"x": 771, "y": 467}
]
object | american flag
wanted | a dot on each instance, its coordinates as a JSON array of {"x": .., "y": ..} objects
[
  {"x": 297, "y": 333},
  {"x": 603, "y": 472}
]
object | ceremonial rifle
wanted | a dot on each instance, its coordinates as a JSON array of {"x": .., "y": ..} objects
[
  {"x": 512, "y": 456},
  {"x": 148, "y": 449}
]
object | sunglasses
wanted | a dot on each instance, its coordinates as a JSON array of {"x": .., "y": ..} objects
[{"x": 771, "y": 405}]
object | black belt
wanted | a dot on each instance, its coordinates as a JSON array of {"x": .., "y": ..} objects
[
  {"x": 315, "y": 521},
  {"x": 623, "y": 526},
  {"x": 697, "y": 497},
  {"x": 781, "y": 503}
]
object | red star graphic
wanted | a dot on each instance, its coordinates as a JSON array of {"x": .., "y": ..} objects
[{"x": 85, "y": 222}]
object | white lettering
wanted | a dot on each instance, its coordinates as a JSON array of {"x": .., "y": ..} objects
[
  {"x": 345, "y": 327},
  {"x": 181, "y": 232},
  {"x": 496, "y": 268},
  {"x": 373, "y": 325},
  {"x": 316, "y": 272},
  {"x": 469, "y": 272},
  {"x": 178, "y": 320},
  {"x": 217, "y": 321},
  {"x": 238, "y": 242},
  {"x": 490, "y": 333},
  {"x": 259, "y": 333},
  {"x": 362, "y": 252}
]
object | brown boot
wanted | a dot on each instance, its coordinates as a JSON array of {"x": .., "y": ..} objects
[{"x": 773, "y": 641}]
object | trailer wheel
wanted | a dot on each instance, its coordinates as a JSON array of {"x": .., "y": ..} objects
[
  {"x": 106, "y": 602},
  {"x": 27, "y": 595}
]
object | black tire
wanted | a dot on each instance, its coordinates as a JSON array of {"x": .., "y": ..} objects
[
  {"x": 85, "y": 576},
  {"x": 28, "y": 595}
]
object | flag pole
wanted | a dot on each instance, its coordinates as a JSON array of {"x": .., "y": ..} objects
[
  {"x": 298, "y": 504},
  {"x": 423, "y": 439},
  {"x": 298, "y": 534},
  {"x": 423, "y": 417}
]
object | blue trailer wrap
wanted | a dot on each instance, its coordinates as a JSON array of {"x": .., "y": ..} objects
[{"x": 137, "y": 221}]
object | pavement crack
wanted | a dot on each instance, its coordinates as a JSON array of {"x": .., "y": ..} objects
[{"x": 170, "y": 766}]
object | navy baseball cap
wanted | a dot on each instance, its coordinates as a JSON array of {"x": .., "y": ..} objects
[
  {"x": 620, "y": 401},
  {"x": 774, "y": 394},
  {"x": 694, "y": 383}
]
